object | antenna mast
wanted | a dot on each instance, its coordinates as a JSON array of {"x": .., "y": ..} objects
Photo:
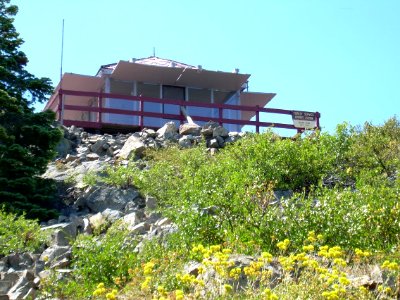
[
  {"x": 62, "y": 50},
  {"x": 154, "y": 51}
]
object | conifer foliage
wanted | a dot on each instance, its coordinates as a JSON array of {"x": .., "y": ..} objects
[{"x": 27, "y": 139}]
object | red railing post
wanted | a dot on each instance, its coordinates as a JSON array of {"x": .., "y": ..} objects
[
  {"x": 181, "y": 119},
  {"x": 141, "y": 121},
  {"x": 100, "y": 113},
  {"x": 63, "y": 105},
  {"x": 258, "y": 119},
  {"x": 220, "y": 114},
  {"x": 60, "y": 107}
]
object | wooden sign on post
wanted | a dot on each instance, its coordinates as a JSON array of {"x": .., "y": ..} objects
[{"x": 304, "y": 119}]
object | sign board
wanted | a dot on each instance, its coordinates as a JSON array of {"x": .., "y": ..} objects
[{"x": 304, "y": 119}]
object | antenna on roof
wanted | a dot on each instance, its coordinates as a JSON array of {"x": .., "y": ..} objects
[
  {"x": 62, "y": 50},
  {"x": 154, "y": 51}
]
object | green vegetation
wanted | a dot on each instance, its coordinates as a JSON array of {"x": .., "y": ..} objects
[
  {"x": 18, "y": 234},
  {"x": 343, "y": 217},
  {"x": 97, "y": 258},
  {"x": 27, "y": 139}
]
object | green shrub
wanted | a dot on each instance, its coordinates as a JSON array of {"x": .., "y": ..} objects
[
  {"x": 97, "y": 259},
  {"x": 100, "y": 258},
  {"x": 18, "y": 234},
  {"x": 230, "y": 196}
]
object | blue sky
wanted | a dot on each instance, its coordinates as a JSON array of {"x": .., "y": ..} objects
[{"x": 341, "y": 58}]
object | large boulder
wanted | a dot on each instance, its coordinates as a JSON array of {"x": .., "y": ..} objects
[
  {"x": 220, "y": 131},
  {"x": 133, "y": 146},
  {"x": 101, "y": 198},
  {"x": 168, "y": 131},
  {"x": 97, "y": 147},
  {"x": 24, "y": 288},
  {"x": 62, "y": 233},
  {"x": 189, "y": 128},
  {"x": 208, "y": 128}
]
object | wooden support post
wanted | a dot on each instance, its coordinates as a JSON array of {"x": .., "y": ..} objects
[
  {"x": 258, "y": 119},
  {"x": 61, "y": 107},
  {"x": 99, "y": 116},
  {"x": 220, "y": 115},
  {"x": 141, "y": 108}
]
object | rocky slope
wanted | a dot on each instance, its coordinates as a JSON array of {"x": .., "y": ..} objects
[{"x": 85, "y": 209}]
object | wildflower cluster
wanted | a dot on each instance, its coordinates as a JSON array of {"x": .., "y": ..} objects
[
  {"x": 269, "y": 295},
  {"x": 102, "y": 291},
  {"x": 283, "y": 245},
  {"x": 323, "y": 264},
  {"x": 391, "y": 266},
  {"x": 362, "y": 254}
]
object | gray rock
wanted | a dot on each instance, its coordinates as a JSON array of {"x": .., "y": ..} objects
[
  {"x": 59, "y": 264},
  {"x": 114, "y": 198},
  {"x": 153, "y": 217},
  {"x": 92, "y": 156},
  {"x": 111, "y": 215},
  {"x": 132, "y": 219},
  {"x": 221, "y": 141},
  {"x": 133, "y": 146},
  {"x": 162, "y": 222},
  {"x": 11, "y": 275},
  {"x": 208, "y": 128},
  {"x": 97, "y": 147},
  {"x": 54, "y": 254},
  {"x": 151, "y": 202},
  {"x": 150, "y": 133},
  {"x": 3, "y": 264},
  {"x": 140, "y": 228},
  {"x": 220, "y": 131},
  {"x": 189, "y": 128},
  {"x": 70, "y": 158},
  {"x": 185, "y": 142},
  {"x": 19, "y": 261},
  {"x": 213, "y": 143},
  {"x": 168, "y": 131},
  {"x": 5, "y": 286},
  {"x": 87, "y": 229},
  {"x": 23, "y": 288},
  {"x": 62, "y": 234}
]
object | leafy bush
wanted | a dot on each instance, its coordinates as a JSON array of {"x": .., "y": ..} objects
[
  {"x": 105, "y": 259},
  {"x": 230, "y": 196},
  {"x": 100, "y": 258},
  {"x": 18, "y": 234}
]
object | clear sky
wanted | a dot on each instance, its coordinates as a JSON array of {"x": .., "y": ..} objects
[{"x": 338, "y": 57}]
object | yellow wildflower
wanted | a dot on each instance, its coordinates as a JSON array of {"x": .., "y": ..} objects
[
  {"x": 311, "y": 237},
  {"x": 283, "y": 245},
  {"x": 235, "y": 273},
  {"x": 227, "y": 288},
  {"x": 392, "y": 266},
  {"x": 344, "y": 280},
  {"x": 266, "y": 256},
  {"x": 179, "y": 295},
  {"x": 340, "y": 262},
  {"x": 269, "y": 295},
  {"x": 308, "y": 248}
]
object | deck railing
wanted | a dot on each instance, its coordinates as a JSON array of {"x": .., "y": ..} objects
[{"x": 62, "y": 106}]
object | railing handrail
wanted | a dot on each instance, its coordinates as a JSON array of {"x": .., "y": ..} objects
[{"x": 141, "y": 113}]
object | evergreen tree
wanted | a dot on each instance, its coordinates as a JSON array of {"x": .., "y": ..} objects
[{"x": 27, "y": 139}]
